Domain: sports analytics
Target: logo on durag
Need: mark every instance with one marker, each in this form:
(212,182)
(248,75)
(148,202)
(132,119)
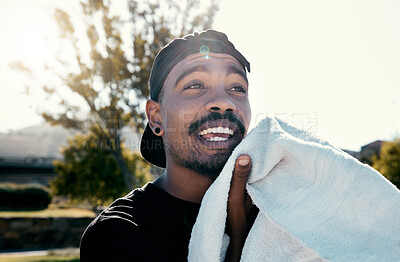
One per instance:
(204,50)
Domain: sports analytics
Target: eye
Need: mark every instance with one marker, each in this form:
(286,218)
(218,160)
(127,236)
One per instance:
(238,89)
(193,85)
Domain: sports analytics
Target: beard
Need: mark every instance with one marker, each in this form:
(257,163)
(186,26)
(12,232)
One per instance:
(210,167)
(183,152)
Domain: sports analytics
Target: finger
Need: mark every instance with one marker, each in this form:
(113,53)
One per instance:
(248,203)
(236,200)
(239,178)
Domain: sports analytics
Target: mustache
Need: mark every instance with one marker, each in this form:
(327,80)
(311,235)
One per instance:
(216,116)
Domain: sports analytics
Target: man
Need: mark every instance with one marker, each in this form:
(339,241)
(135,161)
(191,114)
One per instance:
(198,113)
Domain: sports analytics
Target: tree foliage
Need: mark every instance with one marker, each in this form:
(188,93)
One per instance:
(107,71)
(112,83)
(89,172)
(388,163)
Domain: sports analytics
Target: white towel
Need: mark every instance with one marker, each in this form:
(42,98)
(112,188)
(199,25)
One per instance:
(316,203)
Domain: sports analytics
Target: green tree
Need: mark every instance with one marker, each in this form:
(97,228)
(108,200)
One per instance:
(89,171)
(388,163)
(108,76)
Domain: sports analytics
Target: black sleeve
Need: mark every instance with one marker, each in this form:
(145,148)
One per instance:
(117,240)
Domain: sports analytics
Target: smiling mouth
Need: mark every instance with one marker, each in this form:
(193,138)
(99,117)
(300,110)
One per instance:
(216,134)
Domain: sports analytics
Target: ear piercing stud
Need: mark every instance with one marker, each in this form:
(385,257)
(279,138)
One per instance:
(157,130)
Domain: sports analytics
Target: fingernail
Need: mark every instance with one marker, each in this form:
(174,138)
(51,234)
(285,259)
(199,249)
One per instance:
(244,162)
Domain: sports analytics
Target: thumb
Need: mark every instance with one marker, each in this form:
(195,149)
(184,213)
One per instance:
(239,178)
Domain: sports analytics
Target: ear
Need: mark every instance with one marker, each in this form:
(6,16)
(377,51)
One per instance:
(153,112)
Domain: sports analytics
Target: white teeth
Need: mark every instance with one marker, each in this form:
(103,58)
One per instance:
(217,138)
(216,130)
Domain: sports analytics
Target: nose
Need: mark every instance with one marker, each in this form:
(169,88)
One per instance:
(220,103)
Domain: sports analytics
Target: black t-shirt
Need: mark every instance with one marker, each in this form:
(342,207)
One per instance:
(146,225)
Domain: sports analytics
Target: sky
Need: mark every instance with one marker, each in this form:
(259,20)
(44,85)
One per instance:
(330,67)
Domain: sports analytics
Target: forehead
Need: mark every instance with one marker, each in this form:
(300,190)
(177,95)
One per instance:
(213,60)
(209,57)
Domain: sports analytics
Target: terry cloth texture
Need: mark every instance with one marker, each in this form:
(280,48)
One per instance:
(316,203)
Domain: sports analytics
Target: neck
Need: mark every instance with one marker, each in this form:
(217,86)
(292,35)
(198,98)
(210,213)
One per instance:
(184,183)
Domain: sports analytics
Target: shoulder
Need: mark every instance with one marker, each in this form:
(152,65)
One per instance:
(116,239)
(121,232)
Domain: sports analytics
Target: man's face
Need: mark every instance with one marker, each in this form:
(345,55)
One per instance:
(205,111)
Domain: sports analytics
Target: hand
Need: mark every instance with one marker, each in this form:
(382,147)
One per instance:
(241,212)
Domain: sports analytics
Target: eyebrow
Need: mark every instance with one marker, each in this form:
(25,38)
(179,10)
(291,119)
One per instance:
(197,68)
(202,68)
(235,70)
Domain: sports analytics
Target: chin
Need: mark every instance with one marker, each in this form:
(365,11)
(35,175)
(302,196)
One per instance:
(210,167)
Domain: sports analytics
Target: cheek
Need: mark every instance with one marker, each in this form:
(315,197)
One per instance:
(249,115)
(179,116)
(246,114)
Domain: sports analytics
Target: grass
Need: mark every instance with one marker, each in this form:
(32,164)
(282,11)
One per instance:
(59,208)
(50,212)
(57,255)
(48,258)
